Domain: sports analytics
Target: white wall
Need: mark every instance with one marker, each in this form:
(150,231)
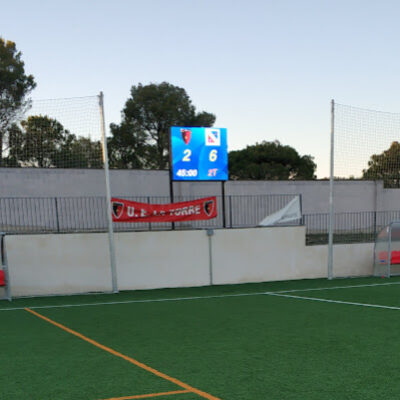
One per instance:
(79,263)
(257,255)
(271,254)
(150,260)
(58,264)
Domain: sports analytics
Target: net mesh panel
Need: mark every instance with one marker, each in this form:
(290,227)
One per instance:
(387,251)
(381,252)
(395,249)
(367,145)
(57,133)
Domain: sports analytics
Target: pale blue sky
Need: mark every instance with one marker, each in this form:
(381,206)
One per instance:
(267,69)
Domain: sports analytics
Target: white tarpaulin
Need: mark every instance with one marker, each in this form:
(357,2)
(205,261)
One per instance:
(289,213)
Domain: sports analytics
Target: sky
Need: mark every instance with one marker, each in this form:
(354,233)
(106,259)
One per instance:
(267,69)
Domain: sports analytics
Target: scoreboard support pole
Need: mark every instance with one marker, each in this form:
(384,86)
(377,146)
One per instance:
(171,195)
(171,181)
(223,204)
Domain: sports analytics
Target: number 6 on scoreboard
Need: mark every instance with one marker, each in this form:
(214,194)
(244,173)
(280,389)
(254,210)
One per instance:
(213,155)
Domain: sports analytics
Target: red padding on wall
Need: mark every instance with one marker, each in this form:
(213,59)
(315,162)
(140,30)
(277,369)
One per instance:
(395,259)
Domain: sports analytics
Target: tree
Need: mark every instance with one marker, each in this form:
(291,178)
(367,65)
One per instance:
(141,140)
(14,145)
(43,137)
(385,166)
(127,147)
(15,86)
(43,142)
(270,161)
(78,152)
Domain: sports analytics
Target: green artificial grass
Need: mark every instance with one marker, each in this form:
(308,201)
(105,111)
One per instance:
(246,347)
(171,293)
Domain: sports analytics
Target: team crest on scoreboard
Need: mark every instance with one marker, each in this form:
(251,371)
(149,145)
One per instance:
(213,137)
(208,207)
(117,209)
(186,135)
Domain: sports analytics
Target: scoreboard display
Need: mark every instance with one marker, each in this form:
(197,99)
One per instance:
(199,154)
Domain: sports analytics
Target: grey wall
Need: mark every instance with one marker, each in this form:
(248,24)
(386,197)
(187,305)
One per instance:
(349,195)
(37,182)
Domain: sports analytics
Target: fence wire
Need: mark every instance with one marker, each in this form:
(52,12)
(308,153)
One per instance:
(57,133)
(89,214)
(367,145)
(350,227)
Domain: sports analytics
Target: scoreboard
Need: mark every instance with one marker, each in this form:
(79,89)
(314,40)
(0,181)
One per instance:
(199,154)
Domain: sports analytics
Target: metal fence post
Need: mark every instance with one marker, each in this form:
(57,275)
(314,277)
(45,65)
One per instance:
(210,233)
(57,218)
(230,210)
(301,209)
(223,204)
(389,256)
(148,201)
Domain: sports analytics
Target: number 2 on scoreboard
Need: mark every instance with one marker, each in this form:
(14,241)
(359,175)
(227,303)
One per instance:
(187,153)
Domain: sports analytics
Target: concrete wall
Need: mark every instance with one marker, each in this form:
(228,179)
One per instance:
(58,264)
(79,263)
(158,259)
(274,254)
(349,195)
(48,182)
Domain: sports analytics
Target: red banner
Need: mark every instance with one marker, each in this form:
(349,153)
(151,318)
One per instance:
(132,211)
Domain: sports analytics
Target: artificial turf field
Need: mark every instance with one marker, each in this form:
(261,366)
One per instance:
(309,339)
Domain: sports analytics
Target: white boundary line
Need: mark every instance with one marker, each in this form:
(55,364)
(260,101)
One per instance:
(334,301)
(337,287)
(276,293)
(137,301)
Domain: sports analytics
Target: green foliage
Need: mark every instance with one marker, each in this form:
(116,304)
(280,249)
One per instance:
(385,166)
(270,161)
(43,137)
(141,140)
(42,142)
(79,152)
(15,86)
(127,147)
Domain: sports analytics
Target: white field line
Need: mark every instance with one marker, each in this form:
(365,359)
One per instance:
(350,303)
(200,297)
(137,301)
(337,287)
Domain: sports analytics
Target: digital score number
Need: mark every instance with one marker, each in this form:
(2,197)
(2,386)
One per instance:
(199,154)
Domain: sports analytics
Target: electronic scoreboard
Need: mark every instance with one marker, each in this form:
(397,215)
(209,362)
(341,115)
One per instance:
(199,154)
